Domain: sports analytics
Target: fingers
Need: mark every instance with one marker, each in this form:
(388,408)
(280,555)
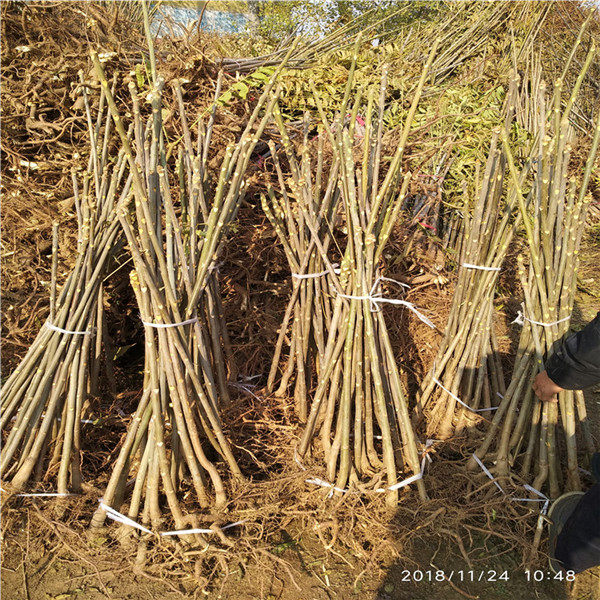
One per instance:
(544,395)
(545,389)
(549,397)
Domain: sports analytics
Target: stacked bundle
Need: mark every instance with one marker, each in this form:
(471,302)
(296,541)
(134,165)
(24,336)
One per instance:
(305,228)
(359,394)
(524,435)
(466,377)
(44,399)
(174,235)
(302,216)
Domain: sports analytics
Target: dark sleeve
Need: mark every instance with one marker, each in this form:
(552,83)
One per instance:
(575,363)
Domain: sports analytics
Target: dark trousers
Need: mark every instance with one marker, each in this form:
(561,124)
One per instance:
(578,544)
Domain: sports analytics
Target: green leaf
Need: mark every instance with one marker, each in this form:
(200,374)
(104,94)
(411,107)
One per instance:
(241,90)
(139,74)
(225,98)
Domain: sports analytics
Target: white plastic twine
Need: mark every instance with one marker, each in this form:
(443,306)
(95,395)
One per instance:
(326,484)
(244,388)
(487,472)
(412,478)
(167,325)
(521,318)
(317,480)
(399,283)
(298,461)
(404,482)
(479,267)
(375,299)
(438,382)
(336,270)
(542,497)
(205,531)
(115,515)
(396,486)
(60,418)
(67,331)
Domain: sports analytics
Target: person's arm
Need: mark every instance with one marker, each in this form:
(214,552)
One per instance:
(574,365)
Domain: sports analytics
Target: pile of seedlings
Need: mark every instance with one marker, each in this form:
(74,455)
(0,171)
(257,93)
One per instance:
(170,203)
(359,409)
(466,379)
(45,135)
(46,398)
(303,218)
(545,443)
(174,233)
(304,213)
(367,26)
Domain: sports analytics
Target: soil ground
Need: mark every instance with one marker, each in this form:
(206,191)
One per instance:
(31,574)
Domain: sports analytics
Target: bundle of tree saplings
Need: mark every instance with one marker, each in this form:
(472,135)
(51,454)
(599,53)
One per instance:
(175,449)
(303,215)
(302,212)
(543,443)
(359,409)
(465,381)
(48,395)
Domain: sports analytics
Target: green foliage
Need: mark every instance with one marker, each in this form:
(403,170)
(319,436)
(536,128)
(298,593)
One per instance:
(457,115)
(240,89)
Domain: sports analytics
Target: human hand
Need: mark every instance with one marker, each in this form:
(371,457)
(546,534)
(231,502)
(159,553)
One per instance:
(545,389)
